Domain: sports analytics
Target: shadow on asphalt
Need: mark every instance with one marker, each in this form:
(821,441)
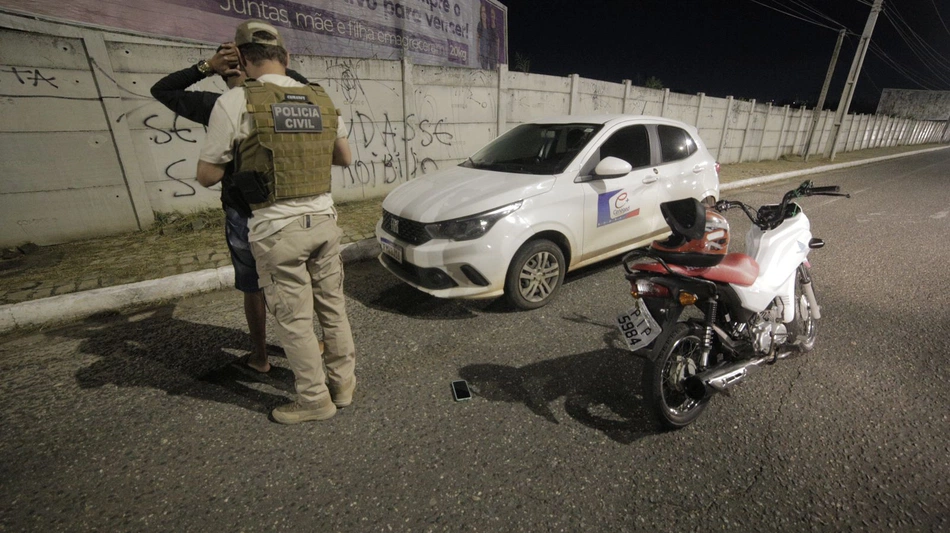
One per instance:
(601,389)
(364,280)
(153,349)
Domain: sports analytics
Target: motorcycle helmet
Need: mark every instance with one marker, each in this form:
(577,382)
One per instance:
(700,236)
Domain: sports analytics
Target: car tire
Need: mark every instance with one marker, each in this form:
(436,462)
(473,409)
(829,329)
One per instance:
(535,274)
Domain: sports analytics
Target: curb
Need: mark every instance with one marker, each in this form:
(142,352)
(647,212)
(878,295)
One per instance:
(825,168)
(74,306)
(79,305)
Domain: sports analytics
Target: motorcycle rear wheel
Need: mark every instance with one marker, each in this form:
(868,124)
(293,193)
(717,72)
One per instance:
(664,378)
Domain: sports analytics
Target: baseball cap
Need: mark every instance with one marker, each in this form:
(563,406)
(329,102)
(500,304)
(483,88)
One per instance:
(245,34)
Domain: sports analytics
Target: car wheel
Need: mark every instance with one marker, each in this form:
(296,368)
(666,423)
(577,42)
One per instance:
(535,274)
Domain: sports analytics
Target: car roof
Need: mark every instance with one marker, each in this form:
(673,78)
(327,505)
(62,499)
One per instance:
(606,119)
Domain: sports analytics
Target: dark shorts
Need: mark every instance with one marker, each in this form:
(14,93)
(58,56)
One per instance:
(245,268)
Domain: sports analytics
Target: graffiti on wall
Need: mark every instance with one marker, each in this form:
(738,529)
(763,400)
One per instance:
(380,145)
(28,76)
(175,134)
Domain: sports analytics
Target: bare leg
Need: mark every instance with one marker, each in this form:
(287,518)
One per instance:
(256,314)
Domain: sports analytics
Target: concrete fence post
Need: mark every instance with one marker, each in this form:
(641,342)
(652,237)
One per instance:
(503,97)
(821,132)
(408,107)
(575,87)
(725,129)
(666,101)
(104,76)
(765,130)
(748,128)
(864,131)
(798,130)
(847,134)
(699,109)
(783,134)
(626,96)
(877,131)
(852,129)
(859,132)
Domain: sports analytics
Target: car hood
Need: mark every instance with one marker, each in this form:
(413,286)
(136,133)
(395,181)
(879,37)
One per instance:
(459,191)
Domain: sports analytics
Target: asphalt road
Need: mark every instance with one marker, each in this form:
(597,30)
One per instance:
(139,422)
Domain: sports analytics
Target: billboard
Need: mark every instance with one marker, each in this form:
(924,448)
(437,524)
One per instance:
(462,33)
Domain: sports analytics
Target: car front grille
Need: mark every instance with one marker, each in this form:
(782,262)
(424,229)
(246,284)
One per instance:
(408,230)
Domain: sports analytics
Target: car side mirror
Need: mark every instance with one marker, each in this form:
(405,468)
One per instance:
(612,167)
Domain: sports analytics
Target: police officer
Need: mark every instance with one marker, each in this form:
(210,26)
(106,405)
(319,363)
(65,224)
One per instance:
(288,135)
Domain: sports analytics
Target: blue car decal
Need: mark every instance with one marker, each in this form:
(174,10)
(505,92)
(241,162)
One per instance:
(614,206)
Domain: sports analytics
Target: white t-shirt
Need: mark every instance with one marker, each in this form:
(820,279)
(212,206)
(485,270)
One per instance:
(229,125)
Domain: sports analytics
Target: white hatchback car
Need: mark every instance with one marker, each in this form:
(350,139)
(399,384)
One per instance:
(545,198)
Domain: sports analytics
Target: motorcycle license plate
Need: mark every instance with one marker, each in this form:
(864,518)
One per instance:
(637,326)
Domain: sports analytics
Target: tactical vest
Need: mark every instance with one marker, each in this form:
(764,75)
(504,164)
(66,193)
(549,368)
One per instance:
(291,140)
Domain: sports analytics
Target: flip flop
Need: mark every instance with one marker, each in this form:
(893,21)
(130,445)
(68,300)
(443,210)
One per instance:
(242,363)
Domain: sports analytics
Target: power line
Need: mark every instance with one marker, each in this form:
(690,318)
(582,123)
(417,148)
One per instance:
(939,17)
(798,16)
(901,69)
(924,52)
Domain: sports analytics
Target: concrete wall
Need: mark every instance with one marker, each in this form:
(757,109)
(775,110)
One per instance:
(88,152)
(919,105)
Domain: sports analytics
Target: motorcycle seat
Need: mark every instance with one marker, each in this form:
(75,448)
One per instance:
(735,268)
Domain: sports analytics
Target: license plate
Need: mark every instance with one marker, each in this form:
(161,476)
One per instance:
(391,249)
(638,326)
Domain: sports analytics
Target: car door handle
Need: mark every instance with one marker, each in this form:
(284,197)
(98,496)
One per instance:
(649,179)
(699,168)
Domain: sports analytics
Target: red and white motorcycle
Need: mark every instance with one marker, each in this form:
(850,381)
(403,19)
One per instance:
(754,308)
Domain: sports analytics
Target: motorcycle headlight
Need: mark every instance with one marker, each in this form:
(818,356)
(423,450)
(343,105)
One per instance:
(468,228)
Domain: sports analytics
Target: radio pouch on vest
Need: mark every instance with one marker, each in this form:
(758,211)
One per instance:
(290,144)
(251,186)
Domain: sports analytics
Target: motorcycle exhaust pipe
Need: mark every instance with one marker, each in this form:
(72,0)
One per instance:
(721,378)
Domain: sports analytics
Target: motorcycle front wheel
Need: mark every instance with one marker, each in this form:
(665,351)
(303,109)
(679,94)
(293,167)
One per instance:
(664,378)
(804,329)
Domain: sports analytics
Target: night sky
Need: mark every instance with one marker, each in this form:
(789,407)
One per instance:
(740,48)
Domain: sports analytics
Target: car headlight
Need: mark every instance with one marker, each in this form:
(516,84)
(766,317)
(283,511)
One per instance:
(473,227)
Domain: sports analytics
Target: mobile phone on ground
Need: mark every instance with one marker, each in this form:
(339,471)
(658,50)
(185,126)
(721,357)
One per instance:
(460,391)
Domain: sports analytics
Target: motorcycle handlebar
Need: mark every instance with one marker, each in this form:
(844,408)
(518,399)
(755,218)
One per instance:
(772,217)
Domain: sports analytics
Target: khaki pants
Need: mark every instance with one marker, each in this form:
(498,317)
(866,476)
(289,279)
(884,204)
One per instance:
(301,271)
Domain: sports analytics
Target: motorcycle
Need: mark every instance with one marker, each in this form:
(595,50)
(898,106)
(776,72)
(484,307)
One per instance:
(753,309)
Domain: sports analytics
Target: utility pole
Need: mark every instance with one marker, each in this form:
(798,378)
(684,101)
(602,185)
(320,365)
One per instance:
(824,93)
(848,93)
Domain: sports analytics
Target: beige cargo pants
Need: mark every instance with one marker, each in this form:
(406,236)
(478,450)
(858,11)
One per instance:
(301,271)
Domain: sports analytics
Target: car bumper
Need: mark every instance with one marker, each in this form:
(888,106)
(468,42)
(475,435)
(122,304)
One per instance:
(448,269)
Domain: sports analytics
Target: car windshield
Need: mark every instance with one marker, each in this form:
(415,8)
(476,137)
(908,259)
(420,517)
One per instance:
(534,148)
